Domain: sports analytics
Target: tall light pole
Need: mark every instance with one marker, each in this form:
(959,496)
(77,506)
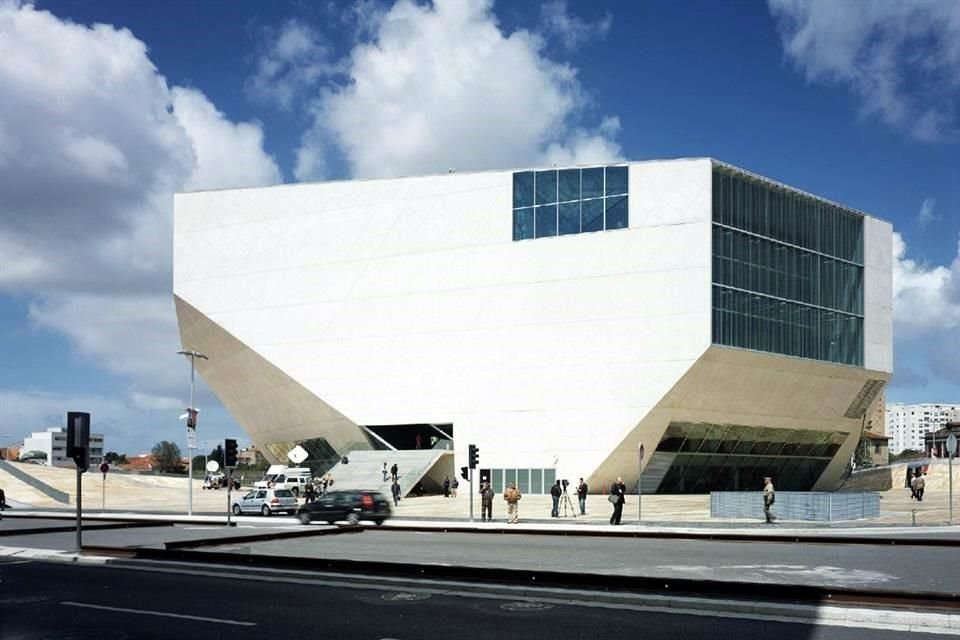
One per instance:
(193,355)
(640,484)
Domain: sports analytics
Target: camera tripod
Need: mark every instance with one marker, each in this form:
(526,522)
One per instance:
(566,503)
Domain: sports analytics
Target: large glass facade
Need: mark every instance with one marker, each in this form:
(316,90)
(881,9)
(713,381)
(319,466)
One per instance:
(721,457)
(564,201)
(787,271)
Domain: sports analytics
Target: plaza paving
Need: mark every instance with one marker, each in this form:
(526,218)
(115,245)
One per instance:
(166,494)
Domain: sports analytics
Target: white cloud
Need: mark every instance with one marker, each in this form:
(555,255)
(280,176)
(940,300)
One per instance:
(926,298)
(229,154)
(901,58)
(99,145)
(571,30)
(293,59)
(927,214)
(443,86)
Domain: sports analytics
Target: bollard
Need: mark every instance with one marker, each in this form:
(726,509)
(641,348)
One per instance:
(914,512)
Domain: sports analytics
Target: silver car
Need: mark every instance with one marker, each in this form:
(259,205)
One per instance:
(266,501)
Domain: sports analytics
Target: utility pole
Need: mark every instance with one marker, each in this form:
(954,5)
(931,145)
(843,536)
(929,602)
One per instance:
(191,426)
(640,486)
(951,448)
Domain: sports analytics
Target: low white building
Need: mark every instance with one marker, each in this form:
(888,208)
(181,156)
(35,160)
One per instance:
(53,442)
(907,423)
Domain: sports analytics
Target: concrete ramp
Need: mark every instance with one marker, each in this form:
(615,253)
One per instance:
(365,470)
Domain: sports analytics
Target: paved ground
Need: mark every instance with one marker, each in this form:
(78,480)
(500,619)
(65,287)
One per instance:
(856,566)
(39,600)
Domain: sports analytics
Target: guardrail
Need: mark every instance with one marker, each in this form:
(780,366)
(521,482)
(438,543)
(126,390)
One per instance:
(810,506)
(39,485)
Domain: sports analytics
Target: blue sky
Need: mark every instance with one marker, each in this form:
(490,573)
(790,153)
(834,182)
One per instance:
(856,102)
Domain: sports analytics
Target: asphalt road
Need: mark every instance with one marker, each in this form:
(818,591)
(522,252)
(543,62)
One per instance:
(48,600)
(855,566)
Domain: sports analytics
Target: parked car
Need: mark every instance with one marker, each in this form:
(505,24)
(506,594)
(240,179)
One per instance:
(266,502)
(352,506)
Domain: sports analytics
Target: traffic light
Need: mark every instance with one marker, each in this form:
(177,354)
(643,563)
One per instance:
(463,473)
(78,438)
(473,456)
(229,453)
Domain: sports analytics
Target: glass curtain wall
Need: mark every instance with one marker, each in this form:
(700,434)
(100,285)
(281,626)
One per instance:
(787,271)
(720,457)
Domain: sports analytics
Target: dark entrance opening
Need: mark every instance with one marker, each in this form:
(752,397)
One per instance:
(415,436)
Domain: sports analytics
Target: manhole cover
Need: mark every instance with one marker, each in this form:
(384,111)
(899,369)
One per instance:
(404,597)
(525,606)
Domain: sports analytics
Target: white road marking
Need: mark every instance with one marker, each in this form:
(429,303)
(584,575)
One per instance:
(164,614)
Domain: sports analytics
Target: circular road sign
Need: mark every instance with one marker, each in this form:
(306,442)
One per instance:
(952,444)
(213,466)
(104,467)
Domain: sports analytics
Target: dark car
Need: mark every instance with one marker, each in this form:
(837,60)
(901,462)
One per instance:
(352,506)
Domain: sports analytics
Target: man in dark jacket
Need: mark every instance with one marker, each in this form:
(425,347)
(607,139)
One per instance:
(395,491)
(582,496)
(486,502)
(555,493)
(446,487)
(617,491)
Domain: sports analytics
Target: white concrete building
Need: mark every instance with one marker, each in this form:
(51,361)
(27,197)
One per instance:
(558,319)
(907,423)
(53,442)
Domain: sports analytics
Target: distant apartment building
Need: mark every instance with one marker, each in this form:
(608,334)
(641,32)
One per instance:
(908,423)
(53,442)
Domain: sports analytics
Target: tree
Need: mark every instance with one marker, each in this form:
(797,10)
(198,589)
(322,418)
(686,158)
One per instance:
(906,454)
(112,457)
(167,457)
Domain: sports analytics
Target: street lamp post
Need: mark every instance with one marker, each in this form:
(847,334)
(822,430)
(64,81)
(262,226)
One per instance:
(640,485)
(193,355)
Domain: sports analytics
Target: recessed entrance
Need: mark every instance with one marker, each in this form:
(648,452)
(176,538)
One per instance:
(415,436)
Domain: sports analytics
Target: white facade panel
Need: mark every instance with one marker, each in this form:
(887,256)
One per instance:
(878,295)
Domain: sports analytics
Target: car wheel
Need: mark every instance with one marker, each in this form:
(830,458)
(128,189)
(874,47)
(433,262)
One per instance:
(265,510)
(236,509)
(304,517)
(353,518)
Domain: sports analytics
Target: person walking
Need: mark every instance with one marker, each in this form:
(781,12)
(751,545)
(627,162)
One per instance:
(3,503)
(555,493)
(395,491)
(617,492)
(512,495)
(393,472)
(454,486)
(921,484)
(384,471)
(913,486)
(446,487)
(769,497)
(486,502)
(582,496)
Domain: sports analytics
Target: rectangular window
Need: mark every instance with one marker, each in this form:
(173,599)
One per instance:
(510,477)
(591,215)
(616,212)
(569,218)
(549,477)
(496,480)
(546,187)
(616,181)
(546,223)
(523,223)
(592,181)
(523,480)
(569,185)
(536,481)
(523,189)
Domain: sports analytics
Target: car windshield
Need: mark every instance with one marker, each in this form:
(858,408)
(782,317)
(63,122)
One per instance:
(283,493)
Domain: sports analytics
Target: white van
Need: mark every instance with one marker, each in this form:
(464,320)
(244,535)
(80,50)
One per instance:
(293,478)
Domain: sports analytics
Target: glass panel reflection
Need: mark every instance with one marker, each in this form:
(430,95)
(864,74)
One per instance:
(523,189)
(712,457)
(546,187)
(592,183)
(569,218)
(569,185)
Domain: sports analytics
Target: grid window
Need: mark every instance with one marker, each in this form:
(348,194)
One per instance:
(592,199)
(787,272)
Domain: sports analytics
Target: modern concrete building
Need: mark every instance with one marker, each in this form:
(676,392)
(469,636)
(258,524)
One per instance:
(53,442)
(908,423)
(733,326)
